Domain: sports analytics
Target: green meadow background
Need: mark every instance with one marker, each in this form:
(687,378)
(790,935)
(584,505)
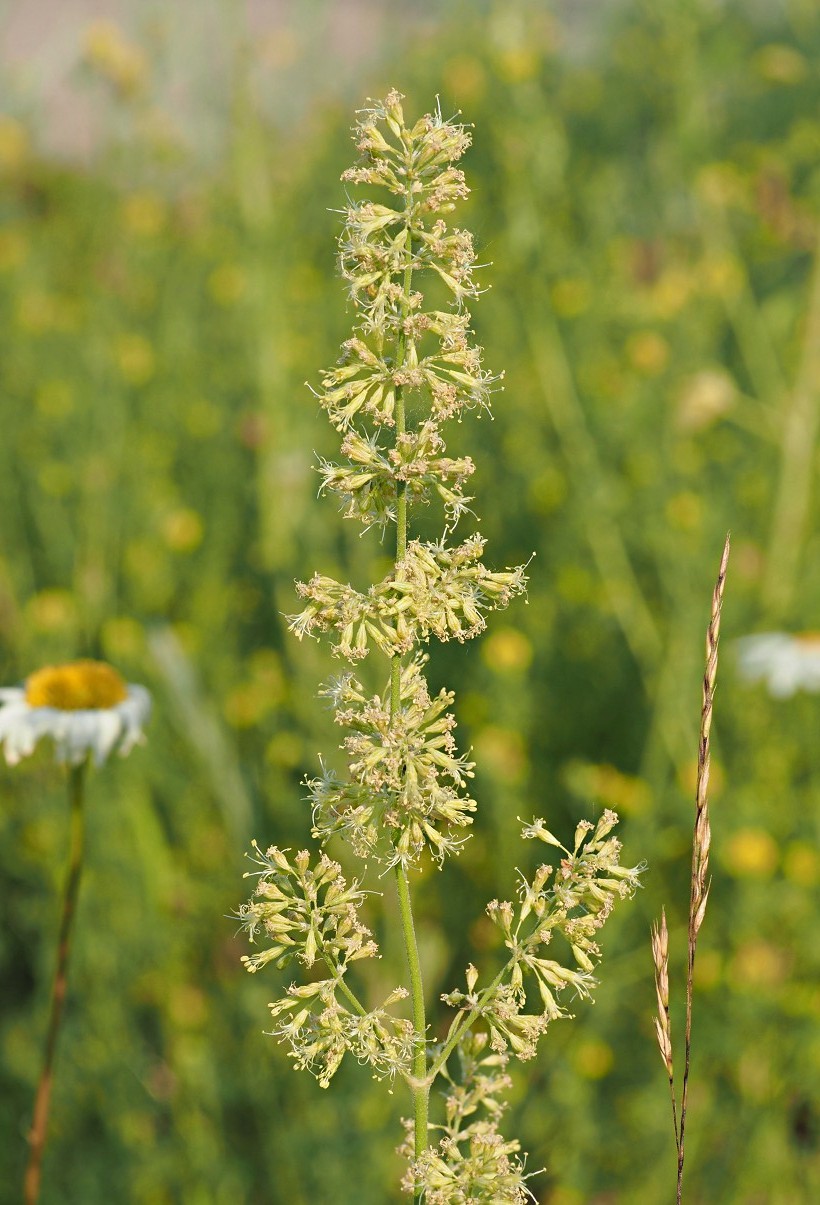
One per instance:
(646,197)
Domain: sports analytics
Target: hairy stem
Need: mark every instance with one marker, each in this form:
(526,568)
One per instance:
(419,1086)
(39,1127)
(350,996)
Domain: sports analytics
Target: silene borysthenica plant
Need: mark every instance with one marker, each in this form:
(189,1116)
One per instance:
(407,371)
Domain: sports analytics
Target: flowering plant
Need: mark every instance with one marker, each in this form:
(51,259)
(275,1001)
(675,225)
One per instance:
(87,711)
(407,370)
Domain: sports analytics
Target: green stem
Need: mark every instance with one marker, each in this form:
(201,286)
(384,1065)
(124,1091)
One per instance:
(419,1084)
(465,1025)
(350,996)
(39,1127)
(401,486)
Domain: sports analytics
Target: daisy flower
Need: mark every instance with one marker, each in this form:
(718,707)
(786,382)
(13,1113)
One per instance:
(785,662)
(84,706)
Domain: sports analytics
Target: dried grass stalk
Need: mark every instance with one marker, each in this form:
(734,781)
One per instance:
(699,889)
(663,1026)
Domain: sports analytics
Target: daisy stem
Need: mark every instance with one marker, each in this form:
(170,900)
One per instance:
(39,1127)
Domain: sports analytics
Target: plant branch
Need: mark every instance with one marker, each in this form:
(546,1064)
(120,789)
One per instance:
(465,1025)
(349,995)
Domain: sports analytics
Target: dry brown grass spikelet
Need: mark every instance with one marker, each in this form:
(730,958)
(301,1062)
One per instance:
(699,887)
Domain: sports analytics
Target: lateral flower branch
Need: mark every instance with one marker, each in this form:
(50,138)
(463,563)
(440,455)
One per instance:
(406,372)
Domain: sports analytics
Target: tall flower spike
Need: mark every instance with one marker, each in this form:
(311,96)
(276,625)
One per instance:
(408,368)
(404,359)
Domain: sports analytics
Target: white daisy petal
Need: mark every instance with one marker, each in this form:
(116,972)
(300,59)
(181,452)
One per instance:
(22,735)
(10,716)
(107,729)
(134,713)
(80,733)
(18,739)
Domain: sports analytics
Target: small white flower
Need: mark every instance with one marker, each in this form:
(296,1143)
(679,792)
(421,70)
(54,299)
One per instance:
(84,706)
(786,663)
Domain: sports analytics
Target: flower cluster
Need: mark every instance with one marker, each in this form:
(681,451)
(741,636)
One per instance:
(405,360)
(472,1161)
(406,371)
(451,379)
(309,915)
(306,913)
(320,1030)
(405,776)
(368,484)
(433,590)
(573,901)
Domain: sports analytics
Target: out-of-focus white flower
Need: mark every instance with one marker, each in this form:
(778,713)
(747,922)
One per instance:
(786,663)
(705,397)
(84,706)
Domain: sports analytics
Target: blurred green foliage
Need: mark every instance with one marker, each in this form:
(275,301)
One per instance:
(646,190)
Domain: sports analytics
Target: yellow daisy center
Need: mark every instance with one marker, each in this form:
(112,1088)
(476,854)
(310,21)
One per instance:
(78,686)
